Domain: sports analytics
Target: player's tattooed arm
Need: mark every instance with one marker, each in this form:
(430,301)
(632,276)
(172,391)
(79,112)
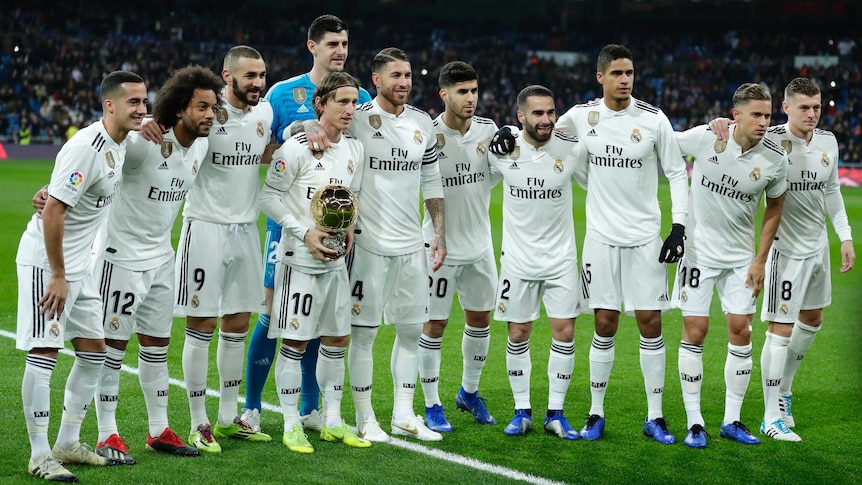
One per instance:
(438,244)
(317,140)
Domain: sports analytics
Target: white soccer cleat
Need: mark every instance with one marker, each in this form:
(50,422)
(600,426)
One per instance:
(784,402)
(312,421)
(252,417)
(414,427)
(370,430)
(81,453)
(778,430)
(47,468)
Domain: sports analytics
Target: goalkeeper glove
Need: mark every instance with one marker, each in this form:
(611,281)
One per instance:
(503,142)
(674,246)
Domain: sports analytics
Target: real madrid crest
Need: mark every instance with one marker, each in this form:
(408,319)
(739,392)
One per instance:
(355,311)
(481,149)
(783,309)
(683,296)
(755,174)
(221,115)
(109,158)
(719,146)
(115,324)
(501,307)
(294,323)
(824,160)
(299,95)
(54,331)
(195,168)
(441,141)
(636,136)
(516,153)
(317,154)
(195,301)
(260,129)
(787,145)
(593,118)
(374,121)
(167,148)
(350,167)
(417,137)
(558,166)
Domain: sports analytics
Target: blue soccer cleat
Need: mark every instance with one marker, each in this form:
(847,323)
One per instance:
(436,420)
(520,425)
(557,424)
(738,432)
(657,430)
(594,428)
(471,402)
(696,437)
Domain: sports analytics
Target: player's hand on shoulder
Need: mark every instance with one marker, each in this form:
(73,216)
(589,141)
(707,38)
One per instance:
(317,140)
(152,131)
(503,142)
(674,245)
(721,128)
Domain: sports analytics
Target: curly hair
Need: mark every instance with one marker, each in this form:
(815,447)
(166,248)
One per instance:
(178,91)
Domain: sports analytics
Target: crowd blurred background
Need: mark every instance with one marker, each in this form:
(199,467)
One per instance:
(689,54)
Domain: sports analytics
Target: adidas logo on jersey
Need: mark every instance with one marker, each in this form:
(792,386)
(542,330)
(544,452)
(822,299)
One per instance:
(377,136)
(441,156)
(302,109)
(319,166)
(221,131)
(513,166)
(592,133)
(713,159)
(164,165)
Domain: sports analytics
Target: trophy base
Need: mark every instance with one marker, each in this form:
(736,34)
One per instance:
(337,243)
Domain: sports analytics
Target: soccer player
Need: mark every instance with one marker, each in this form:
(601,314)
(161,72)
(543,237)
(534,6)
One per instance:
(538,261)
(627,139)
(728,181)
(313,291)
(134,269)
(470,268)
(218,259)
(798,280)
(56,299)
(291,100)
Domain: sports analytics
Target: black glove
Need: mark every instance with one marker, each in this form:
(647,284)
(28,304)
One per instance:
(674,246)
(503,142)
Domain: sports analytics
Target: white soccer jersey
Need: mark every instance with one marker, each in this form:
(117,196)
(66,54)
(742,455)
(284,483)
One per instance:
(467,185)
(228,184)
(400,157)
(726,188)
(813,192)
(86,176)
(293,177)
(538,228)
(625,148)
(156,179)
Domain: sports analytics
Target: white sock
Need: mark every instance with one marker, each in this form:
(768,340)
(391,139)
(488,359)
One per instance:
(153,376)
(330,379)
(80,387)
(772,366)
(653,361)
(404,365)
(474,351)
(36,397)
(429,371)
(288,381)
(601,363)
(561,363)
(107,394)
(519,367)
(691,380)
(230,357)
(737,375)
(195,360)
(360,364)
(800,341)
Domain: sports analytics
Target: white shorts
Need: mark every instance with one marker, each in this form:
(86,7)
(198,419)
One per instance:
(390,286)
(692,290)
(306,306)
(475,283)
(624,276)
(795,284)
(218,270)
(80,317)
(135,301)
(518,300)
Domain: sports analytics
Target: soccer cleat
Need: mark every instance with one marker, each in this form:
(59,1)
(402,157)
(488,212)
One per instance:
(81,453)
(168,442)
(520,425)
(436,419)
(116,450)
(738,432)
(47,468)
(343,434)
(312,421)
(594,427)
(476,405)
(696,437)
(778,430)
(203,439)
(557,424)
(370,430)
(252,417)
(240,430)
(657,430)
(414,427)
(784,402)
(296,440)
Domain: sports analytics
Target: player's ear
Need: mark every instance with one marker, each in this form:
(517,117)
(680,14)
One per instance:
(312,46)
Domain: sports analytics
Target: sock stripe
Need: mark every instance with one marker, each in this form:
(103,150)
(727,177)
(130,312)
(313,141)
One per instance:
(95,358)
(46,363)
(113,363)
(153,358)
(332,354)
(517,348)
(741,354)
(290,353)
(603,344)
(199,335)
(652,344)
(563,348)
(477,333)
(427,344)
(693,348)
(232,337)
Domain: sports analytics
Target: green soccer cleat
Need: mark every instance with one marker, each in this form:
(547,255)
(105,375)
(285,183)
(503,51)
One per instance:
(343,434)
(296,440)
(203,440)
(240,430)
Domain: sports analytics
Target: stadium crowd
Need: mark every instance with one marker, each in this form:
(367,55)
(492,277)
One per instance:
(49,83)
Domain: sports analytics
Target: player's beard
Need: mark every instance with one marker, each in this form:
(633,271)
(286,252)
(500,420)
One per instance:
(195,129)
(389,95)
(534,133)
(243,95)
